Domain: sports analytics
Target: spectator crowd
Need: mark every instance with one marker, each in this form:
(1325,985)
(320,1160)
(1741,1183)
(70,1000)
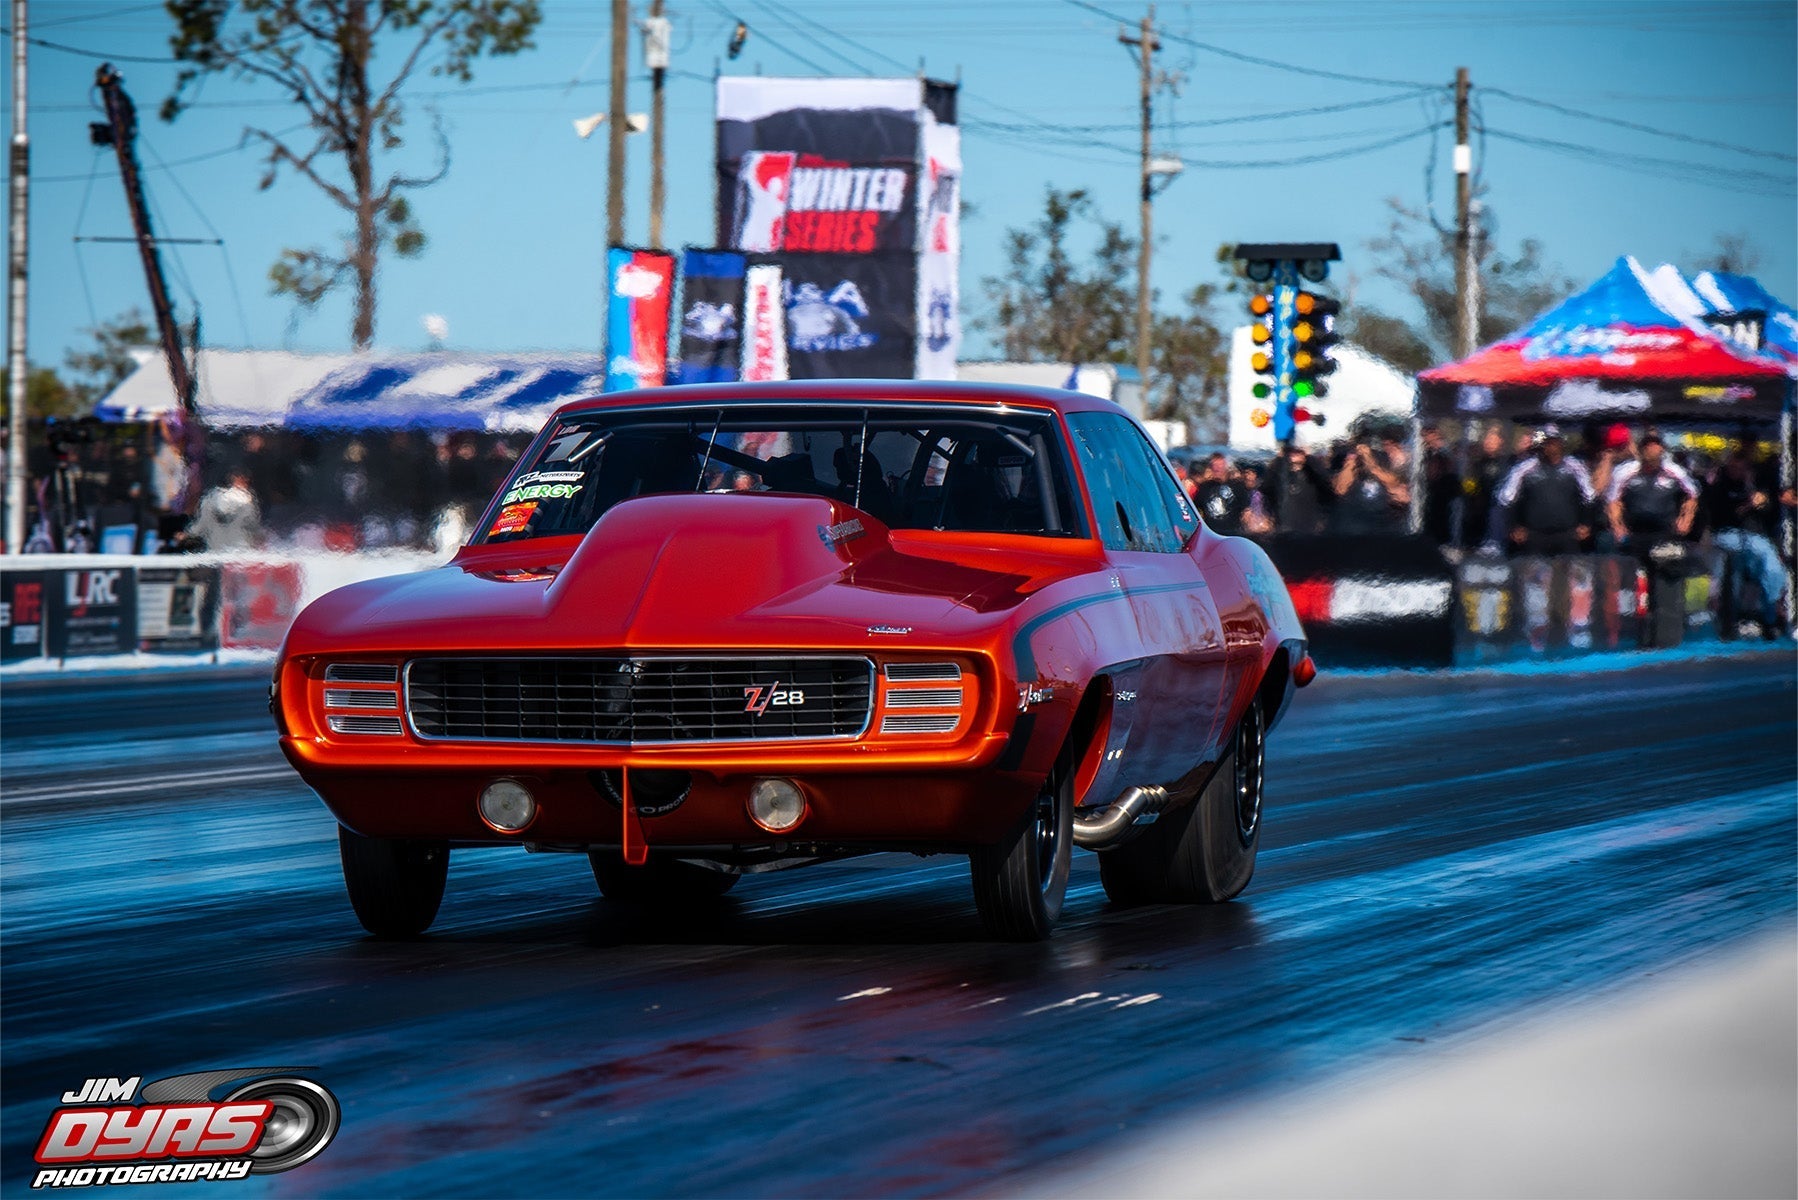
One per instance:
(1538,492)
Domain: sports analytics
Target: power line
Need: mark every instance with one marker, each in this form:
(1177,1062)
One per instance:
(49,45)
(179,162)
(99,16)
(1306,159)
(1239,56)
(1761,182)
(1564,110)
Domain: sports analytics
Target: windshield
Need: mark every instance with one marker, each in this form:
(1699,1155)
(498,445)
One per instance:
(960,468)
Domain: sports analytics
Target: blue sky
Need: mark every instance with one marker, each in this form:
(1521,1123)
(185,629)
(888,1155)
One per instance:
(517,227)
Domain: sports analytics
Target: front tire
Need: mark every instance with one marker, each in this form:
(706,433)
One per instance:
(1020,883)
(659,881)
(1203,852)
(395,884)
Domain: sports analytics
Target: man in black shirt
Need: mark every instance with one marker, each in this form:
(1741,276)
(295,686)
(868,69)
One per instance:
(1547,498)
(1222,498)
(1651,504)
(1370,495)
(1743,516)
(1298,493)
(1484,474)
(1441,486)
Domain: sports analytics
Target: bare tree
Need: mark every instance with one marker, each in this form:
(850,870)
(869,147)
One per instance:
(1730,253)
(320,53)
(1048,306)
(1514,289)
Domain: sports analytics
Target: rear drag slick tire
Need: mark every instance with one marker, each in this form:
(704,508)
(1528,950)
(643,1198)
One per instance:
(1202,852)
(395,884)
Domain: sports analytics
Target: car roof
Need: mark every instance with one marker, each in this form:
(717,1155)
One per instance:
(845,391)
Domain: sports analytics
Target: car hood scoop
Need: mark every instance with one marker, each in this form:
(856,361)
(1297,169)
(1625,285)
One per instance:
(717,571)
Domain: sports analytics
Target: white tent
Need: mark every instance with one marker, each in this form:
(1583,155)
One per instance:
(434,390)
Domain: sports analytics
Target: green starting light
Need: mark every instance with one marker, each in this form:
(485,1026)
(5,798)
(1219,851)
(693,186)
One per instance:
(1303,388)
(1262,391)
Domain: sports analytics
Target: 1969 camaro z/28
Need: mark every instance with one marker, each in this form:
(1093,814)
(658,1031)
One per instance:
(715,630)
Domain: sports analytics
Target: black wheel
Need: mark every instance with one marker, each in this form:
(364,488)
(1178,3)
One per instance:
(1202,852)
(658,881)
(395,885)
(1019,884)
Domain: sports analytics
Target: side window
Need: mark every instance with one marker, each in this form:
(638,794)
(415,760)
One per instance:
(1180,511)
(1130,510)
(1101,480)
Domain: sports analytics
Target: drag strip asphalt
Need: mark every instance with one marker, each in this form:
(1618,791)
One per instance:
(1442,854)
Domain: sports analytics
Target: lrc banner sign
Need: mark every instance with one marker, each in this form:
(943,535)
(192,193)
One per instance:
(93,612)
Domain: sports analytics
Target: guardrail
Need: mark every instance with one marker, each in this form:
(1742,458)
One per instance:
(1365,602)
(66,606)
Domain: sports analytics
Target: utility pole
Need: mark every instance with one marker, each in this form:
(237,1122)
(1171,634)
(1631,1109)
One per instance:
(655,57)
(18,368)
(1467,320)
(1146,44)
(615,124)
(120,132)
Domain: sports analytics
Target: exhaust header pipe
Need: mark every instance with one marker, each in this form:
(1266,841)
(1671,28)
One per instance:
(1107,826)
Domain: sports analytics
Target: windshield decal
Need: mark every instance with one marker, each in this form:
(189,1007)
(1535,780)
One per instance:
(541,491)
(512,519)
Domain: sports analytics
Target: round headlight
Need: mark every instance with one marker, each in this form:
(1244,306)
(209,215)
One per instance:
(507,805)
(776,804)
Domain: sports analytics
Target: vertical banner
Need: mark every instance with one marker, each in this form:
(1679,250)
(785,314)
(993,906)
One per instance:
(639,292)
(711,326)
(850,316)
(939,249)
(764,325)
(22,621)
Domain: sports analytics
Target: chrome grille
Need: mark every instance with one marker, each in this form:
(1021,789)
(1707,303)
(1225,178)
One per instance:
(360,698)
(924,698)
(388,726)
(908,672)
(362,673)
(638,700)
(895,723)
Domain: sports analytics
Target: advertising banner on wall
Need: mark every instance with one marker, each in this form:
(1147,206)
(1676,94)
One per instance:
(850,316)
(764,325)
(92,612)
(939,249)
(711,324)
(639,292)
(22,622)
(817,166)
(257,602)
(177,609)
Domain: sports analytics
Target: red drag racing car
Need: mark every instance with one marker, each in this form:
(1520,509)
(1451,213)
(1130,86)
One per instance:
(726,629)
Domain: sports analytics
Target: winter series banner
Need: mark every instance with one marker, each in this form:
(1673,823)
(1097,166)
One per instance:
(640,290)
(711,326)
(849,316)
(817,166)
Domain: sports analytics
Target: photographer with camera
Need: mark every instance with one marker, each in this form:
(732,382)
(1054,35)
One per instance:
(1650,505)
(1371,492)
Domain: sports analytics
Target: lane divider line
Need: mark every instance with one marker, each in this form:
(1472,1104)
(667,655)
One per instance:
(155,783)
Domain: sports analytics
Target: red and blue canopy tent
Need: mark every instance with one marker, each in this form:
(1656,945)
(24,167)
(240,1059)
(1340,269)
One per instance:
(1613,351)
